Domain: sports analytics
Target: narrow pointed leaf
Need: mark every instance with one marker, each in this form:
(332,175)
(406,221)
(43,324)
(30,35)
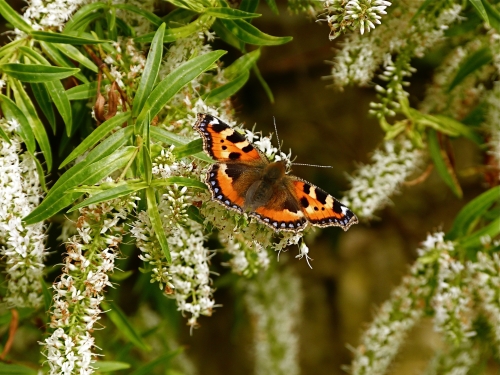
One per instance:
(13,17)
(194,5)
(472,211)
(273,6)
(154,216)
(230,13)
(96,136)
(4,136)
(125,328)
(41,173)
(50,37)
(150,366)
(85,91)
(11,369)
(89,174)
(241,64)
(43,99)
(227,36)
(470,65)
(110,366)
(174,82)
(151,17)
(37,72)
(248,33)
(26,106)
(74,54)
(116,192)
(478,5)
(263,83)
(443,165)
(474,240)
(169,138)
(151,70)
(249,5)
(173,34)
(54,55)
(229,89)
(12,112)
(181,181)
(84,16)
(493,15)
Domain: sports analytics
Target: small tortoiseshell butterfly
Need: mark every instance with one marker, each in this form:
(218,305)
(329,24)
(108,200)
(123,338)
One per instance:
(244,180)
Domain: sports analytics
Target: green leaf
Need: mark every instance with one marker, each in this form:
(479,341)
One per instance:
(241,64)
(55,90)
(171,35)
(12,112)
(106,195)
(455,126)
(151,70)
(470,65)
(37,72)
(443,165)
(194,214)
(41,173)
(474,240)
(50,37)
(225,91)
(173,83)
(155,218)
(147,166)
(110,366)
(273,6)
(149,367)
(227,36)
(197,6)
(45,103)
(181,181)
(74,54)
(478,5)
(55,56)
(230,13)
(169,138)
(26,106)
(96,136)
(178,16)
(4,136)
(493,15)
(263,83)
(84,16)
(191,148)
(151,17)
(126,329)
(82,173)
(472,212)
(85,91)
(249,5)
(47,296)
(10,369)
(12,17)
(248,33)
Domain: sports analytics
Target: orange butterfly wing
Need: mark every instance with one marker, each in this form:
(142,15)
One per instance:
(223,143)
(320,208)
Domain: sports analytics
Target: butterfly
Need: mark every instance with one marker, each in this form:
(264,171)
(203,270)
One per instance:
(244,180)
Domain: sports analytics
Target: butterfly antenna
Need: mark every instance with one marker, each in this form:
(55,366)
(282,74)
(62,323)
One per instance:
(314,165)
(277,138)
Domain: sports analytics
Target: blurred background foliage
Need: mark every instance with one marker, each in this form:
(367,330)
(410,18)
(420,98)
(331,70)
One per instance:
(352,272)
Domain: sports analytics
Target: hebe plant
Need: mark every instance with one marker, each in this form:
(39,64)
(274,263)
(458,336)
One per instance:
(121,87)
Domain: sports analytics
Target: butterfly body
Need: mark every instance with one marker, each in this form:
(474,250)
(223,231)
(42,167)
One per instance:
(244,180)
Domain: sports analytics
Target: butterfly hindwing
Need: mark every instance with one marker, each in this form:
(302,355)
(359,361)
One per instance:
(283,212)
(224,143)
(320,208)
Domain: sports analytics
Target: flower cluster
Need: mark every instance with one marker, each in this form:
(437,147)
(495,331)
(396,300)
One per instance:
(23,246)
(381,341)
(354,15)
(78,293)
(373,184)
(48,15)
(274,301)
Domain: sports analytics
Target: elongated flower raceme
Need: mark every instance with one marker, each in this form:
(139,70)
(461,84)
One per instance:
(381,341)
(373,184)
(22,246)
(79,291)
(274,302)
